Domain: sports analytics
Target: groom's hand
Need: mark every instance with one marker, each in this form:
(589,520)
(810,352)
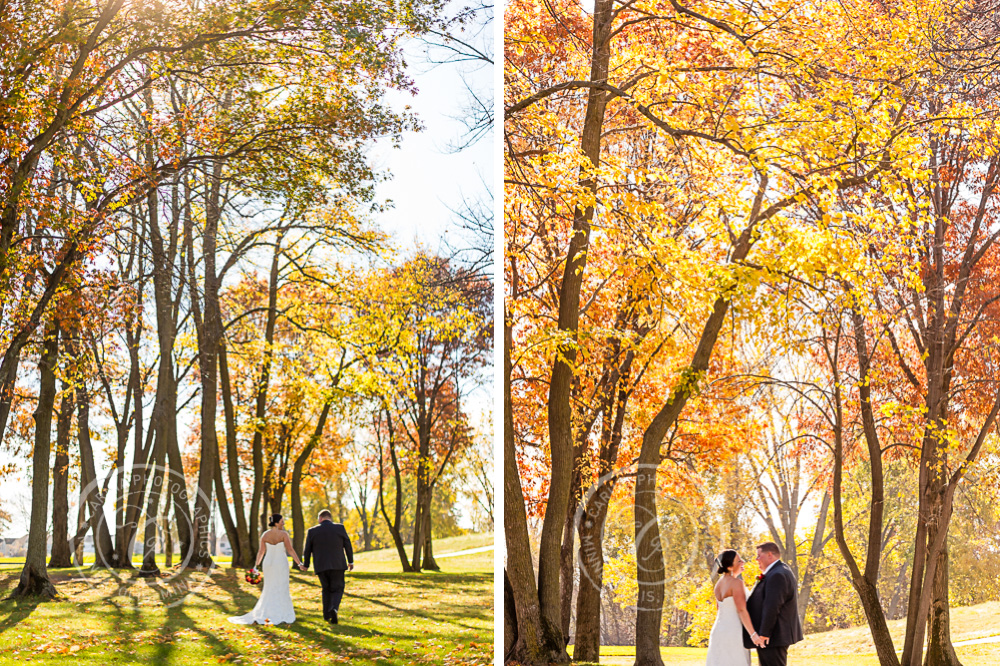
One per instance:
(350,567)
(763,641)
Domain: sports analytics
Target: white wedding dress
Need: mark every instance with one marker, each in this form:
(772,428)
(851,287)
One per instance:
(725,643)
(275,603)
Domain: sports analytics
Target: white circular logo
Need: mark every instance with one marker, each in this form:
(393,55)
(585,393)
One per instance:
(168,588)
(651,570)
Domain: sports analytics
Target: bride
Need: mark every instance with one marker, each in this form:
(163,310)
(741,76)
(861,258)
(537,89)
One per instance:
(725,643)
(275,603)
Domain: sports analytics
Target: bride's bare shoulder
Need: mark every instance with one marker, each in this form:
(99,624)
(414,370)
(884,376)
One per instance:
(723,589)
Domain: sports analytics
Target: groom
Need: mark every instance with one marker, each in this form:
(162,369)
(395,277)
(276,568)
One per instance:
(329,541)
(773,608)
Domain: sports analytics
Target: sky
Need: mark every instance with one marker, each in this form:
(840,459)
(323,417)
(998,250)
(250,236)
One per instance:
(428,181)
(428,178)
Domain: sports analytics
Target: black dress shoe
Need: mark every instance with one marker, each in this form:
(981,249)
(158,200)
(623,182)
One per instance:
(333,620)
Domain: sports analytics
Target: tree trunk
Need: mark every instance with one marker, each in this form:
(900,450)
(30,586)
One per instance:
(864,583)
(649,554)
(242,545)
(424,467)
(34,581)
(587,642)
(103,546)
(122,558)
(260,409)
(275,500)
(560,413)
(916,619)
(884,647)
(898,592)
(209,336)
(539,641)
(60,482)
(162,257)
(815,553)
(140,454)
(509,618)
(367,522)
(397,517)
(940,651)
(298,519)
(227,520)
(76,542)
(168,542)
(178,487)
(429,561)
(567,582)
(157,479)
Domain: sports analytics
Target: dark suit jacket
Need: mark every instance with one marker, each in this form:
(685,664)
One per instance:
(328,542)
(773,607)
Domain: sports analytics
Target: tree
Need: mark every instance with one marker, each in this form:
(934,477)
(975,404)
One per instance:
(151,136)
(443,341)
(724,219)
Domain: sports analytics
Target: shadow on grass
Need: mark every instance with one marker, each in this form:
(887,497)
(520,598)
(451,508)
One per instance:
(177,618)
(318,632)
(423,614)
(308,626)
(128,617)
(244,601)
(17,610)
(131,617)
(229,580)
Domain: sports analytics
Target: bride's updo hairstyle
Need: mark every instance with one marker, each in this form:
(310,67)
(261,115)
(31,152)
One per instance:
(725,560)
(275,519)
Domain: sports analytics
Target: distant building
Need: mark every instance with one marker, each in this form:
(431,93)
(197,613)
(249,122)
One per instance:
(14,546)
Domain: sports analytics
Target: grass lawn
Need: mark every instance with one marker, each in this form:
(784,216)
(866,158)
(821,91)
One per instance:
(852,647)
(387,617)
(973,655)
(18,562)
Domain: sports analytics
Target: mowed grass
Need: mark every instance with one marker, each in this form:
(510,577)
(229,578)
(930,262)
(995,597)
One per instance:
(441,547)
(972,655)
(18,562)
(852,647)
(967,623)
(387,617)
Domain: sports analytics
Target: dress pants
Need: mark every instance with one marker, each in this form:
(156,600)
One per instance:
(332,581)
(770,656)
